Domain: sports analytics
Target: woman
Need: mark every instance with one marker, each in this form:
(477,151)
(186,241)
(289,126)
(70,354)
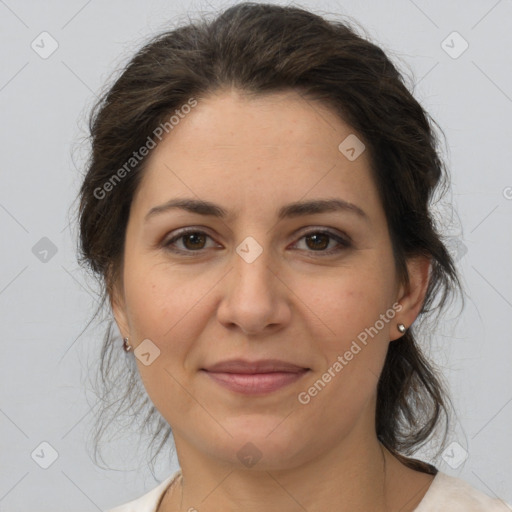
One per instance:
(257,207)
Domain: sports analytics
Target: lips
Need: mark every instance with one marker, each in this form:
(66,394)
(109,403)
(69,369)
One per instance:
(254,377)
(261,366)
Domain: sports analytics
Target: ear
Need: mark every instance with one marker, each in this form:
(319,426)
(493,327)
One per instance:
(411,298)
(118,306)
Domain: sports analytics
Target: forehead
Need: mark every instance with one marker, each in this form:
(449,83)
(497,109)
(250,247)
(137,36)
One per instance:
(274,148)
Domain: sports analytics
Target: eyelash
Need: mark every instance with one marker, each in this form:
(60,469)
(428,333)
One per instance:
(343,243)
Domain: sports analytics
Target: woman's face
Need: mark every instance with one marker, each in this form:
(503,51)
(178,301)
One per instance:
(305,288)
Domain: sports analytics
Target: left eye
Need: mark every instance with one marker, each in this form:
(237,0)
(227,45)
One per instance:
(321,239)
(316,241)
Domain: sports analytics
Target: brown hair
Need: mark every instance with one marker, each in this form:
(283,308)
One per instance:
(258,49)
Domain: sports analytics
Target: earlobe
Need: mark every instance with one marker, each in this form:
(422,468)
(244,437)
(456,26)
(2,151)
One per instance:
(411,298)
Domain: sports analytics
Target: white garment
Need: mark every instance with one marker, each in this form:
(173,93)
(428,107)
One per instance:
(445,494)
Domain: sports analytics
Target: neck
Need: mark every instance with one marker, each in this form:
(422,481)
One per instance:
(344,479)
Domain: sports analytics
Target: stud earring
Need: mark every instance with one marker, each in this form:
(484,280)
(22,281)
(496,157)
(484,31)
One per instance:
(126,346)
(401,328)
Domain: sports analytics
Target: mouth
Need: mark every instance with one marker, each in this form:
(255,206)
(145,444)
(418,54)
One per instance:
(257,377)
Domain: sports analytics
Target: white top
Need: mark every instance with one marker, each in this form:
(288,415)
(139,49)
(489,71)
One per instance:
(445,494)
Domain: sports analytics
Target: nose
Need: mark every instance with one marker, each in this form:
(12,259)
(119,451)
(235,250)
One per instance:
(255,299)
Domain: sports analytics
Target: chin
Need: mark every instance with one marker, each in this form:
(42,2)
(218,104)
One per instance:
(262,443)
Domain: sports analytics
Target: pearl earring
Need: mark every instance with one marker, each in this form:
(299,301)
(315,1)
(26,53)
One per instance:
(401,328)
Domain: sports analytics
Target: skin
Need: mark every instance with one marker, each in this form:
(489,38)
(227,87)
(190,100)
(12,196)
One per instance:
(251,156)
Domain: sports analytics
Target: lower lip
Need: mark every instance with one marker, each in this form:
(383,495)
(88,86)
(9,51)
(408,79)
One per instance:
(255,383)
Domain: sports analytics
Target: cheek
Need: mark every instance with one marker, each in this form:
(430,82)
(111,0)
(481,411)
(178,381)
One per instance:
(353,345)
(349,302)
(163,306)
(354,340)
(159,299)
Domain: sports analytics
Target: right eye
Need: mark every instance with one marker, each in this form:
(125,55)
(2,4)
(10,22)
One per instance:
(193,241)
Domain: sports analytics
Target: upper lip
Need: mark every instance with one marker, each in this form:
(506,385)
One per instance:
(261,366)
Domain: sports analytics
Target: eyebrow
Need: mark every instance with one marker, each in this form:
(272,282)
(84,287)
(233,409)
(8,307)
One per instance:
(291,210)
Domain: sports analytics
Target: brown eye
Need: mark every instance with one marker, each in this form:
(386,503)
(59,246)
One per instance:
(191,241)
(319,241)
(194,240)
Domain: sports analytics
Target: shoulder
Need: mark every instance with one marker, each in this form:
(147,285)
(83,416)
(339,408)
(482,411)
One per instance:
(454,494)
(149,501)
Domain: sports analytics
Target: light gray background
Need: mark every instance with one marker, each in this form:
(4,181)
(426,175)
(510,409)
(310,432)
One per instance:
(46,306)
